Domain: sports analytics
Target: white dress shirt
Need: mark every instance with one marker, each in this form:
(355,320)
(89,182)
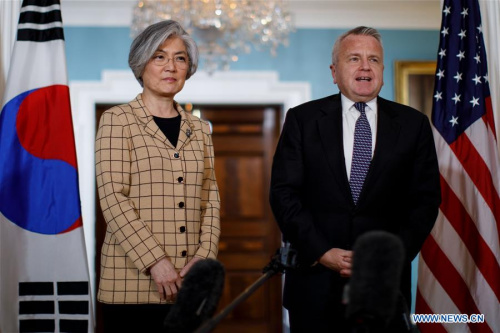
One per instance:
(349,116)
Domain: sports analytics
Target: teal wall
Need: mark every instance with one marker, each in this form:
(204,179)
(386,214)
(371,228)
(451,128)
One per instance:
(90,50)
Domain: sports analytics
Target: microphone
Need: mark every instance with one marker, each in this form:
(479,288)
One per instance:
(373,290)
(197,298)
(285,257)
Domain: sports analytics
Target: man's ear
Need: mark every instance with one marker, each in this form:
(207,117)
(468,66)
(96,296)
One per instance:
(332,68)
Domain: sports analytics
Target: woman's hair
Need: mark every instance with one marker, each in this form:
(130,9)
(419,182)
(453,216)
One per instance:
(359,31)
(147,42)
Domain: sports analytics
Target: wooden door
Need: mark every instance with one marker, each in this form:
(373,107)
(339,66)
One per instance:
(244,139)
(244,142)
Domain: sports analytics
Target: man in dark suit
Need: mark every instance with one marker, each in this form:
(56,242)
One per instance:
(324,196)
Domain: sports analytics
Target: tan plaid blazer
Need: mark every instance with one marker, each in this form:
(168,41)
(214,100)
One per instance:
(158,200)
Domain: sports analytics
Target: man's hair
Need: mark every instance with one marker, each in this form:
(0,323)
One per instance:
(358,31)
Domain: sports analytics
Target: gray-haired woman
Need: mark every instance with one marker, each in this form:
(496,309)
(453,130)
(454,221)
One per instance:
(157,187)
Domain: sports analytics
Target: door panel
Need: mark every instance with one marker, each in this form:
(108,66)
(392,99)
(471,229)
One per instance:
(244,141)
(238,187)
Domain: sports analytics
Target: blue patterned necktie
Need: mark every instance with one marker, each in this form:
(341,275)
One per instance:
(362,152)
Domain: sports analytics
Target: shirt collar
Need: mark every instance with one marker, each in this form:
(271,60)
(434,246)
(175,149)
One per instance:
(347,104)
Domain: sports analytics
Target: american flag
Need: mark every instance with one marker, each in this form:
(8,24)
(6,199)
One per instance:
(459,270)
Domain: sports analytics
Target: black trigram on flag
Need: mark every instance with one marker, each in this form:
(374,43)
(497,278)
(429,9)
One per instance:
(40,303)
(40,21)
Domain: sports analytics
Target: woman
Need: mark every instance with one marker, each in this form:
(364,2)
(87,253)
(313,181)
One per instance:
(157,187)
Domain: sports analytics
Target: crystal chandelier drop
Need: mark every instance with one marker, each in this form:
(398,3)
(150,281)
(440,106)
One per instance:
(223,29)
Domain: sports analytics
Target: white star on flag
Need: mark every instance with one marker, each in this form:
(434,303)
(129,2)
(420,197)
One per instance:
(477,79)
(454,121)
(474,101)
(440,74)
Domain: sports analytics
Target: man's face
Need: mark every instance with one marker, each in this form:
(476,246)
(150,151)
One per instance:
(359,68)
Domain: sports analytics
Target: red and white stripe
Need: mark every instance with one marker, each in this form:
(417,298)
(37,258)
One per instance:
(459,269)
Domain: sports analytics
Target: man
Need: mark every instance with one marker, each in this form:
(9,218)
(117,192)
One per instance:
(330,185)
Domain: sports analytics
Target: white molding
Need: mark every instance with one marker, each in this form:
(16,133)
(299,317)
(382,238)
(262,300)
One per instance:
(231,87)
(334,14)
(380,14)
(243,87)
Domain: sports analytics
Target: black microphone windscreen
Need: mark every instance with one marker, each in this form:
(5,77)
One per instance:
(197,298)
(377,264)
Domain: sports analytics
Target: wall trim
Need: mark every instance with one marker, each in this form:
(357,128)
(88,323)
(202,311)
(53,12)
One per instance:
(307,14)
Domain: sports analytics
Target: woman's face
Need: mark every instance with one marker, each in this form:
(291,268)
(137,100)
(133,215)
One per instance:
(166,80)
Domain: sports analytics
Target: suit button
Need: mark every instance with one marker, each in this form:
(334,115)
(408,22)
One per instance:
(182,229)
(180,179)
(184,253)
(181,204)
(176,155)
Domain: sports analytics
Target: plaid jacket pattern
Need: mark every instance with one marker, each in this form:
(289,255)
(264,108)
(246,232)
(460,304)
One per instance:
(158,200)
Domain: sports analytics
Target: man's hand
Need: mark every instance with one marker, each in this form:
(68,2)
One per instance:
(338,260)
(166,278)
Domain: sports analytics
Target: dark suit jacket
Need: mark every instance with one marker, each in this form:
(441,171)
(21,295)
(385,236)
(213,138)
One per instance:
(311,199)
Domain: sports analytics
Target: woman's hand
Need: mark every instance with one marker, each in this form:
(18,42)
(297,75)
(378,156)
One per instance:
(166,278)
(188,266)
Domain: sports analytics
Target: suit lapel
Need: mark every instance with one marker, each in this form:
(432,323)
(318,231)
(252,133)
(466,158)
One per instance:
(388,131)
(330,131)
(152,128)
(187,129)
(147,120)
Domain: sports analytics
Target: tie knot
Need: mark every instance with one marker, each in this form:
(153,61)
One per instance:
(360,106)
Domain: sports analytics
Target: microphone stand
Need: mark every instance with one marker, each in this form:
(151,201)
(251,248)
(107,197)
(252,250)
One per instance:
(284,258)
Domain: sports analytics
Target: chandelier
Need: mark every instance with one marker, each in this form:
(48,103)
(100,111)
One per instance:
(223,29)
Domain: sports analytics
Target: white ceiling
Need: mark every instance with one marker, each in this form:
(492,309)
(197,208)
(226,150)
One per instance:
(381,14)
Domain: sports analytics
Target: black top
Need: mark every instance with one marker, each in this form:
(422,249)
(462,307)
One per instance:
(170,127)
